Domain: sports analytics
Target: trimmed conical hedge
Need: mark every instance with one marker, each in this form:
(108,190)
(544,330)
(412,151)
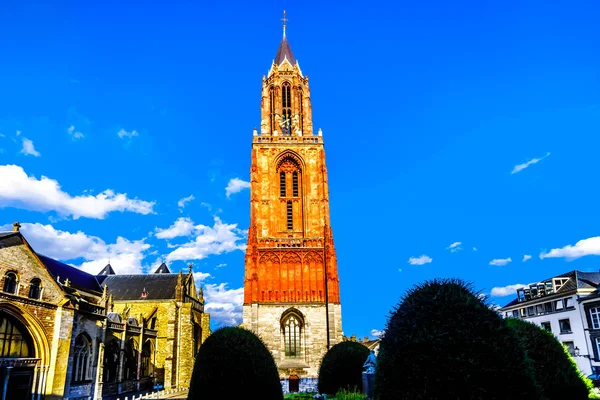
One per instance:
(233,363)
(341,367)
(443,341)
(555,370)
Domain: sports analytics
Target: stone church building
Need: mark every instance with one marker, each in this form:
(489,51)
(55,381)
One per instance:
(291,286)
(66,334)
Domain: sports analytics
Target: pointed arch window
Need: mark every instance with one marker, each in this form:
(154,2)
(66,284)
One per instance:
(35,289)
(82,359)
(290,216)
(282,191)
(15,341)
(111,361)
(10,283)
(131,360)
(286,108)
(292,325)
(146,367)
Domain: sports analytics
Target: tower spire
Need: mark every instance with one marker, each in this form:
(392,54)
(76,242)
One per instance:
(284,20)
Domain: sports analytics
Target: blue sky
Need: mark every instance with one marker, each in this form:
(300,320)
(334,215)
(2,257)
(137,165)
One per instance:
(112,113)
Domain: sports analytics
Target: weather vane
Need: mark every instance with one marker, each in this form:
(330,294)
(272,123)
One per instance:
(284,20)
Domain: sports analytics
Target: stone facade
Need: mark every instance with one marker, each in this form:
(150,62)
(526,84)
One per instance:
(291,279)
(81,336)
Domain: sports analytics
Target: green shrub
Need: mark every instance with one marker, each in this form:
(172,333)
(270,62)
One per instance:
(344,394)
(555,370)
(232,363)
(341,367)
(442,341)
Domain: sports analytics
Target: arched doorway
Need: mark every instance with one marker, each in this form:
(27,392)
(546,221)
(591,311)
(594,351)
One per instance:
(17,359)
(294,384)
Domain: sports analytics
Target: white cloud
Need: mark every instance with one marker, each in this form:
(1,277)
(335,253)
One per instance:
(218,239)
(74,134)
(124,134)
(454,247)
(376,333)
(199,277)
(181,227)
(585,247)
(526,257)
(221,265)
(181,202)
(236,185)
(28,148)
(500,261)
(423,259)
(507,290)
(474,248)
(125,255)
(44,194)
(224,305)
(521,167)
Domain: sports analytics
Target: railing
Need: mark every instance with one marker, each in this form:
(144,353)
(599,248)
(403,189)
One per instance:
(150,332)
(116,326)
(286,139)
(136,330)
(196,305)
(290,242)
(92,309)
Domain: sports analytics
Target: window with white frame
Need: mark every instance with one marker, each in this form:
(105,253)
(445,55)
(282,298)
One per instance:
(595,316)
(598,345)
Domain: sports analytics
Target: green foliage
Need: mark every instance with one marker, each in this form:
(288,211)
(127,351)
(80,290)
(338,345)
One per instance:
(341,367)
(442,341)
(232,363)
(344,394)
(555,370)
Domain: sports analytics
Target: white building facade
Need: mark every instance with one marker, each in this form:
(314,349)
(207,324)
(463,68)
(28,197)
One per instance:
(555,304)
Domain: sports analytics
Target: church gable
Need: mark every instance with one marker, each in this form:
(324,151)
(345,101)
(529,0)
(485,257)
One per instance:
(23,273)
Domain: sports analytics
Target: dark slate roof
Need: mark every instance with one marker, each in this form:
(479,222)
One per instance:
(585,280)
(108,270)
(284,51)
(162,269)
(130,287)
(77,278)
(7,234)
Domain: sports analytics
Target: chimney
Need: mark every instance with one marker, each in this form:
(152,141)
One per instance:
(16,226)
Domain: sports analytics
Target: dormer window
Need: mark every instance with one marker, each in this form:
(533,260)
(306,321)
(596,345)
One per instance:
(559,283)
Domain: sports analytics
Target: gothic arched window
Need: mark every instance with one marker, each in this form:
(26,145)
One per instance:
(131,360)
(146,367)
(10,283)
(35,289)
(286,108)
(292,325)
(82,359)
(111,361)
(272,108)
(15,341)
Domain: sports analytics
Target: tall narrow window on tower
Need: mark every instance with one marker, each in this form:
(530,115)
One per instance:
(290,217)
(295,184)
(300,108)
(272,109)
(282,184)
(286,107)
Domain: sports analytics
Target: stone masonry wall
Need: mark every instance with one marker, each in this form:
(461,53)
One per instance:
(266,318)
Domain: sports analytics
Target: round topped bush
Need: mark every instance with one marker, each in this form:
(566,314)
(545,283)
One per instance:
(234,363)
(555,370)
(443,341)
(341,368)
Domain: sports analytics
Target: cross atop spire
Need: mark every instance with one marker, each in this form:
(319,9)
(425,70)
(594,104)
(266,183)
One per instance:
(284,20)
